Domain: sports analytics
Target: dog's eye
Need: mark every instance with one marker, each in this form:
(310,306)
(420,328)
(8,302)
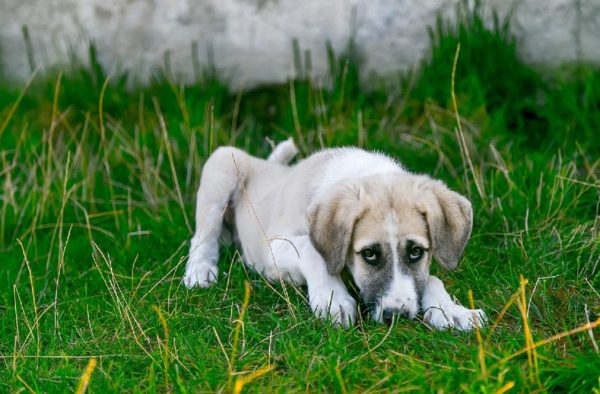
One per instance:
(370,256)
(415,253)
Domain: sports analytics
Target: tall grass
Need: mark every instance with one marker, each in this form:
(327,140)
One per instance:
(97,186)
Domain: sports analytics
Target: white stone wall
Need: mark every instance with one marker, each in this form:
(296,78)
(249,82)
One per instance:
(250,41)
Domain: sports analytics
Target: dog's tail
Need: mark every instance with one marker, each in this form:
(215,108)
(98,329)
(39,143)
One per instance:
(284,152)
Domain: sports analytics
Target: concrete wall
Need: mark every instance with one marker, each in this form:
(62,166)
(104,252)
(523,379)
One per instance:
(250,41)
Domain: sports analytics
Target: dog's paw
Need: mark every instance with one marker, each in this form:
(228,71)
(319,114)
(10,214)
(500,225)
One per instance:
(454,316)
(200,274)
(339,308)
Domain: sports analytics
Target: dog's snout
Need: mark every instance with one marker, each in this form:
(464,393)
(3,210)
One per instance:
(389,313)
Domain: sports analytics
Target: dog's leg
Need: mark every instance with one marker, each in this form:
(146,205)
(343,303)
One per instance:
(221,177)
(284,152)
(441,312)
(327,294)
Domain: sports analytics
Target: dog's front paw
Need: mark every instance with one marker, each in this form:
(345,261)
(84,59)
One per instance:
(454,316)
(200,274)
(337,307)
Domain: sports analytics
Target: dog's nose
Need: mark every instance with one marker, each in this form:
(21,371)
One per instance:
(388,314)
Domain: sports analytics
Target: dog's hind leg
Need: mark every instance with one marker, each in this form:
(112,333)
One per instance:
(221,178)
(284,152)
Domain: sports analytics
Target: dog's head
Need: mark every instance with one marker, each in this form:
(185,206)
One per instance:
(385,229)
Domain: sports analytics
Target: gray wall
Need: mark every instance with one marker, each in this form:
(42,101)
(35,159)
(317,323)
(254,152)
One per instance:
(250,41)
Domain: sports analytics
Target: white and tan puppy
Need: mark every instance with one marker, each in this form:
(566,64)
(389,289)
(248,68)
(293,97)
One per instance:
(339,208)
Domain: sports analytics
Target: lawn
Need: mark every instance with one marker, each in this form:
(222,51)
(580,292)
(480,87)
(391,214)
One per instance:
(97,188)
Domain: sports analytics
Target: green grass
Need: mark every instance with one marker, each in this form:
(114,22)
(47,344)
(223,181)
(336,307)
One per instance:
(96,203)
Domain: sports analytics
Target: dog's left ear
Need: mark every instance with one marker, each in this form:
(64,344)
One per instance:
(331,219)
(450,219)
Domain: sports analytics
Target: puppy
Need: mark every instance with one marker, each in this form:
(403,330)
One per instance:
(339,208)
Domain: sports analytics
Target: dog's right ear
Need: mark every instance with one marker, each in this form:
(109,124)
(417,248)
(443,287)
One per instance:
(331,220)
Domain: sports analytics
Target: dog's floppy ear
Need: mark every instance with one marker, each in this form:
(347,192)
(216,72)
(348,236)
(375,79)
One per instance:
(450,219)
(331,218)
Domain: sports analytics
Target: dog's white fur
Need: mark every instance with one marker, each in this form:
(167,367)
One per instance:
(280,211)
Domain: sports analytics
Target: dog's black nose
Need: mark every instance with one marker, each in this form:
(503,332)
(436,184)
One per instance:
(388,314)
